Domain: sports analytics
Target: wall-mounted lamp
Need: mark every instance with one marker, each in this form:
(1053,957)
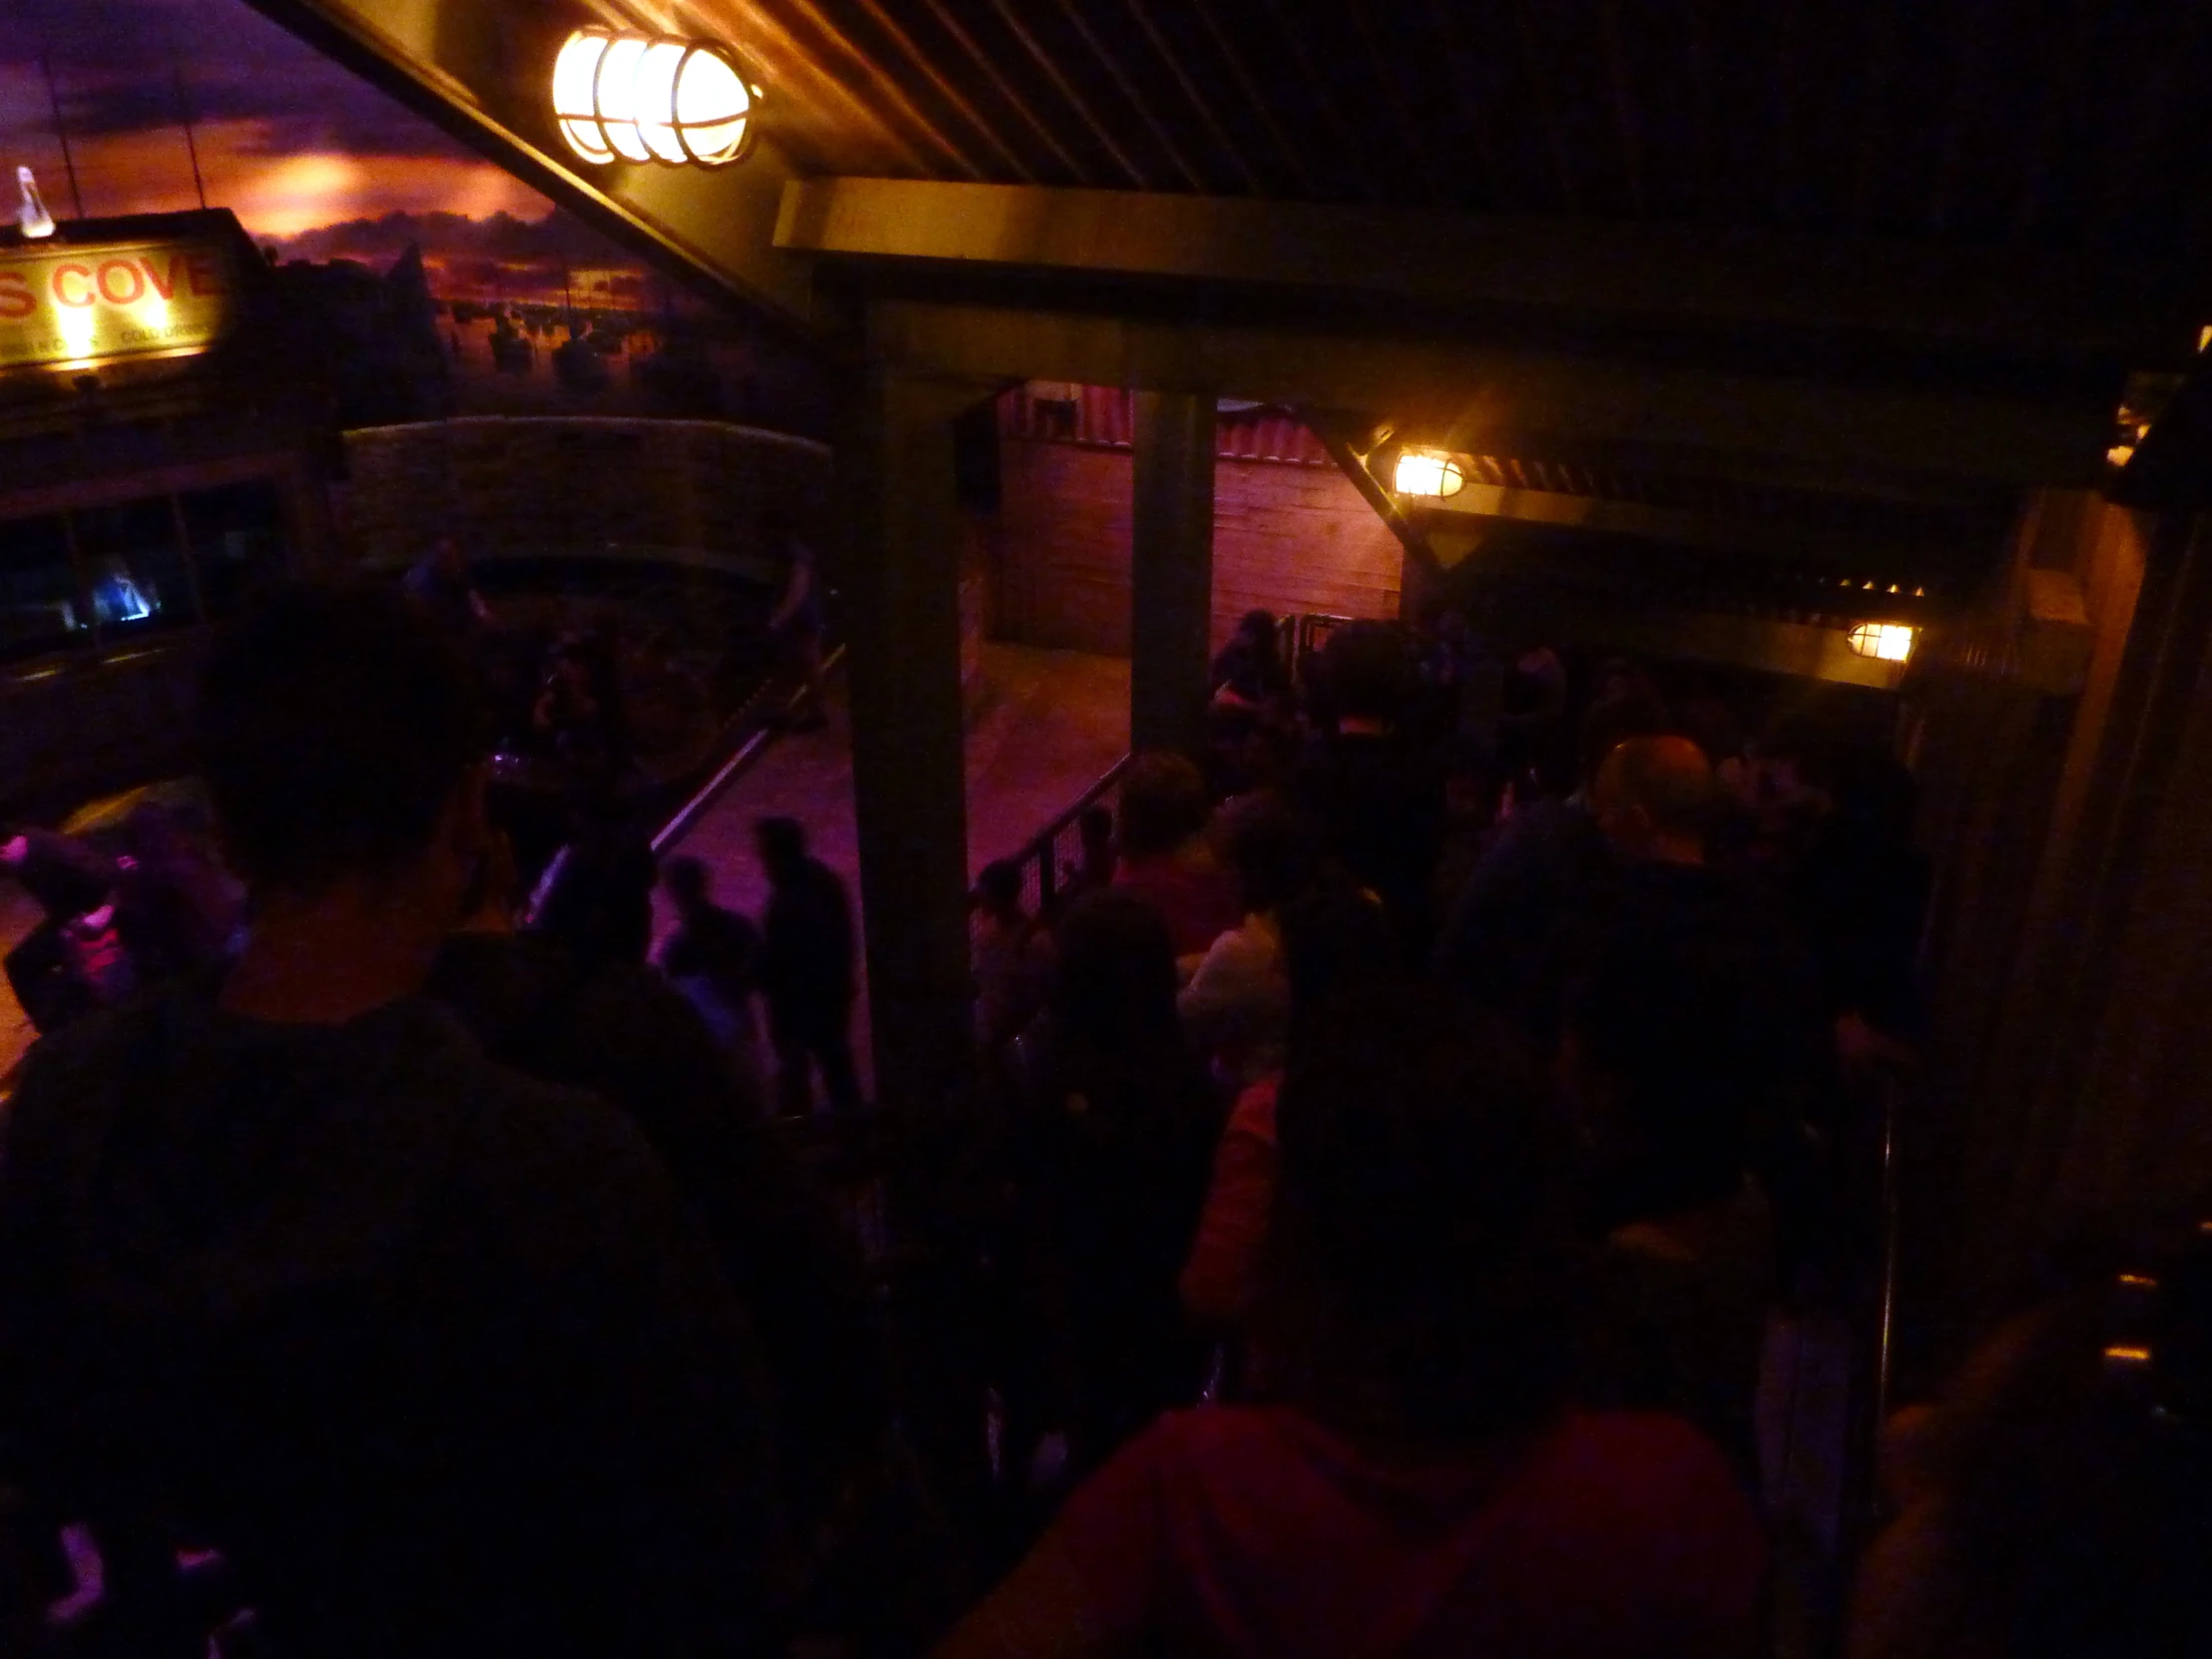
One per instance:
(651,97)
(1889,642)
(1428,472)
(31,214)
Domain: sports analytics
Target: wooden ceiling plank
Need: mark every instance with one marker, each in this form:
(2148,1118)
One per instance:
(1135,94)
(1547,97)
(1193,97)
(1881,23)
(1408,131)
(1505,195)
(887,84)
(1262,105)
(947,89)
(1695,35)
(792,57)
(1047,62)
(1625,125)
(950,23)
(1294,41)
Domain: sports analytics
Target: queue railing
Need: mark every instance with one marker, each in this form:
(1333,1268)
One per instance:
(1051,861)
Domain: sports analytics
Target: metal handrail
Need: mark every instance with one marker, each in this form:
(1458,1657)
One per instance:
(1040,853)
(741,761)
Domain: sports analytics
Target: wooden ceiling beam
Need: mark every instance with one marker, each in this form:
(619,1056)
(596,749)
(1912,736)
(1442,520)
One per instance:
(1996,303)
(1518,402)
(1680,527)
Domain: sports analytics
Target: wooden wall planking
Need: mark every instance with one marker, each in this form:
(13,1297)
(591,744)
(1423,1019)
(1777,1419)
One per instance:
(1286,538)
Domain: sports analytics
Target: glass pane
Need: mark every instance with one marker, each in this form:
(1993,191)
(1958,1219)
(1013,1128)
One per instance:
(237,540)
(133,569)
(39,606)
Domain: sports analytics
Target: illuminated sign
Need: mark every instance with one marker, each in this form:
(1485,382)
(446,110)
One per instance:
(78,306)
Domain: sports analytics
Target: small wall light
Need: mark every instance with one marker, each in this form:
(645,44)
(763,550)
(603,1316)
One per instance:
(1428,472)
(31,214)
(1889,642)
(651,97)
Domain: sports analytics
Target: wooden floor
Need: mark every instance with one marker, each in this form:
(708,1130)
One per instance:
(1050,722)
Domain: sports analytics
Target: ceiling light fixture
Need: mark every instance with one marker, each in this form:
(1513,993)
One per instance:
(1428,472)
(652,98)
(1889,642)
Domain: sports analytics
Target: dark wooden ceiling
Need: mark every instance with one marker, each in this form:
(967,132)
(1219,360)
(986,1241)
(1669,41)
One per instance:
(2058,123)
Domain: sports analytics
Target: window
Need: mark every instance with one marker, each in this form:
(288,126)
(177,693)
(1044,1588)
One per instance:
(134,568)
(237,533)
(137,567)
(40,608)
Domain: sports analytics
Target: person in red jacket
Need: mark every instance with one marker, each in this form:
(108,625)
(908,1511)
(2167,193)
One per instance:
(1419,1484)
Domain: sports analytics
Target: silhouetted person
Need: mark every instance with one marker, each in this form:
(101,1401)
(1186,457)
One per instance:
(714,955)
(440,584)
(2058,1500)
(1506,938)
(806,971)
(1010,955)
(1115,1125)
(73,962)
(617,1030)
(430,1354)
(1375,791)
(1674,947)
(1416,1482)
(176,910)
(1165,856)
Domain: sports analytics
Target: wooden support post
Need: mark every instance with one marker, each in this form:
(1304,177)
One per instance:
(902,577)
(1171,536)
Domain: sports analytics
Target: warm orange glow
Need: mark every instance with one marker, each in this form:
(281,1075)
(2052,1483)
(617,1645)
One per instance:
(2140,1281)
(1428,472)
(650,98)
(1889,642)
(2129,1355)
(2119,454)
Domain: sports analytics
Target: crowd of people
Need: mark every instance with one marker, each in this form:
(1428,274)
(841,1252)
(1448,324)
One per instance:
(1357,1238)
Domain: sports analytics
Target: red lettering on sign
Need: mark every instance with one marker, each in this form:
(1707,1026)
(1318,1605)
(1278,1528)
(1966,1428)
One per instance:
(15,296)
(200,274)
(83,275)
(166,287)
(130,295)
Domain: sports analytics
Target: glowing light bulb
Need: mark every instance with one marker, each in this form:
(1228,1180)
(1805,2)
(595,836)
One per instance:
(1425,472)
(651,97)
(1887,642)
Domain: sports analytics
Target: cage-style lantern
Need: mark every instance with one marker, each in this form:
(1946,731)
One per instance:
(1430,472)
(1889,642)
(651,97)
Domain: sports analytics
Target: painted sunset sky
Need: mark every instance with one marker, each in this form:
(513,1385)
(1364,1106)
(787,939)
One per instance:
(309,156)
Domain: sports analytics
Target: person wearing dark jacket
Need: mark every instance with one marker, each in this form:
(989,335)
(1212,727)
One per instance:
(806,971)
(622,1034)
(429,1352)
(1376,793)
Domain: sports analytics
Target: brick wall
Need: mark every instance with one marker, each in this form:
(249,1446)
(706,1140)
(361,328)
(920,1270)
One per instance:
(1286,538)
(570,483)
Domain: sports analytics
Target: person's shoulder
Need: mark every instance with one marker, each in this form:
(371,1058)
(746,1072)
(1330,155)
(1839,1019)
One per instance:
(68,1072)
(1638,1463)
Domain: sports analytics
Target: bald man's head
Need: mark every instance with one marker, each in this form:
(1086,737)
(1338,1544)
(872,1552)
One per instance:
(1656,798)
